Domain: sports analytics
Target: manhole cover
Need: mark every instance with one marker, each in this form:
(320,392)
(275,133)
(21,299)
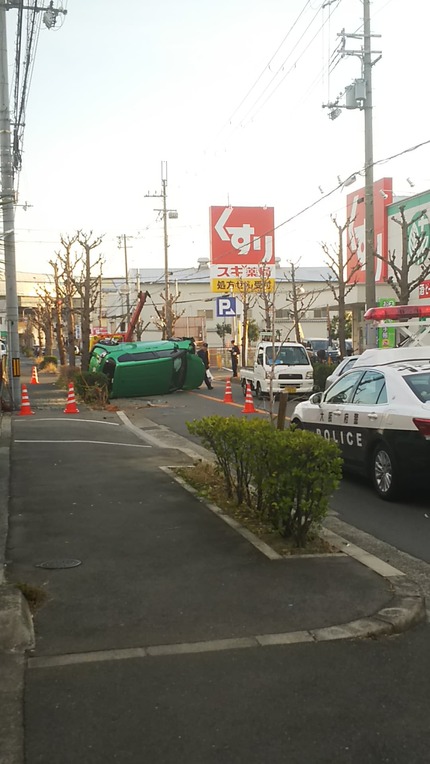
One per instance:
(58,564)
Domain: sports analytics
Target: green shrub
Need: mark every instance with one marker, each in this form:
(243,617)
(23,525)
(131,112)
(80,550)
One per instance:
(287,477)
(305,471)
(92,387)
(47,360)
(215,433)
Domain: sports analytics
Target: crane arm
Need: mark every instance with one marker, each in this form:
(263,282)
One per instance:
(135,317)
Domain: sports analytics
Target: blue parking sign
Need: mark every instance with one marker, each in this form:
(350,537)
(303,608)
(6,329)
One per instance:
(225,307)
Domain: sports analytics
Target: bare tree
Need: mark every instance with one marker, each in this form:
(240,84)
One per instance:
(299,300)
(45,312)
(140,328)
(266,298)
(27,336)
(415,252)
(339,285)
(167,316)
(66,266)
(58,318)
(248,299)
(87,285)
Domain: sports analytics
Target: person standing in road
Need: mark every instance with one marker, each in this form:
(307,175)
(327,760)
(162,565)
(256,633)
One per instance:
(203,353)
(234,350)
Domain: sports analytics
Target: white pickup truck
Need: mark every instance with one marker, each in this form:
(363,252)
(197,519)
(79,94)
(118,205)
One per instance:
(287,362)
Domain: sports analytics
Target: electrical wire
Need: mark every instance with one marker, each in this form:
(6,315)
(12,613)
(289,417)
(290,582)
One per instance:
(267,66)
(22,86)
(280,69)
(250,114)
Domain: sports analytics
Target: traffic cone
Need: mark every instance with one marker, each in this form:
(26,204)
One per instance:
(25,403)
(249,403)
(228,398)
(71,407)
(34,376)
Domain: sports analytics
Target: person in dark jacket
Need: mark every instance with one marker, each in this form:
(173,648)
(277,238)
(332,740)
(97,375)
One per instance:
(203,353)
(234,350)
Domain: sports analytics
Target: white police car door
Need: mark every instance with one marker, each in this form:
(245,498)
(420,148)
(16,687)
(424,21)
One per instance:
(332,418)
(367,410)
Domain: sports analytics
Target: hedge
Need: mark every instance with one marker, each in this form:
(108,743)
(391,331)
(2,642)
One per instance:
(286,476)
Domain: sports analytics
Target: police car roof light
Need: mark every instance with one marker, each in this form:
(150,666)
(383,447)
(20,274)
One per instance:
(423,425)
(397,313)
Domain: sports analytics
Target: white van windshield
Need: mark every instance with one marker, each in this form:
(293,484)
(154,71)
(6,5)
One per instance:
(285,356)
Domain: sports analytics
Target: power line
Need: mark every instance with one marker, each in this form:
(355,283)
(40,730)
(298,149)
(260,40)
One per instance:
(292,67)
(267,66)
(356,172)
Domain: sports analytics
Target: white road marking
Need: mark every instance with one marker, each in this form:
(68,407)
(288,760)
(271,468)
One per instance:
(93,442)
(63,419)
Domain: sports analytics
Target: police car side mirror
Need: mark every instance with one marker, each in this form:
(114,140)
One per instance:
(316,399)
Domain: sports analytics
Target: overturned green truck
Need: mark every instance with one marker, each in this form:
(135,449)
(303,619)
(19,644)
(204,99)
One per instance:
(137,369)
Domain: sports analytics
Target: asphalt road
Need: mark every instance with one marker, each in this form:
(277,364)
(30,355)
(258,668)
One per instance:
(404,524)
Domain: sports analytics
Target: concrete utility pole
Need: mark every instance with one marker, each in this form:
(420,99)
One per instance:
(368,160)
(7,196)
(7,205)
(123,239)
(168,302)
(359,96)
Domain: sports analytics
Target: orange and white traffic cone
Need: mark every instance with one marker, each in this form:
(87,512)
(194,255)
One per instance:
(249,403)
(34,376)
(25,403)
(228,397)
(71,407)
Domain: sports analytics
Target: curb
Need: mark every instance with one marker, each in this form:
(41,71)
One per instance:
(5,438)
(16,623)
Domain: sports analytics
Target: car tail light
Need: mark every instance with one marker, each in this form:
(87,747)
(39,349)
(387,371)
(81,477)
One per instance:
(423,425)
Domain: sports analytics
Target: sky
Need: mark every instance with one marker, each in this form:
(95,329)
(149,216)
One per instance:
(230,95)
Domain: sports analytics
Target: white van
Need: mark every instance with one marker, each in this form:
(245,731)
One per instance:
(279,366)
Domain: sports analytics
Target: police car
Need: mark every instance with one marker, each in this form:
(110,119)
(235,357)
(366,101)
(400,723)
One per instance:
(380,417)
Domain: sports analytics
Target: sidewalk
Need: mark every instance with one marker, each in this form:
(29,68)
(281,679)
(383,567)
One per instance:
(156,575)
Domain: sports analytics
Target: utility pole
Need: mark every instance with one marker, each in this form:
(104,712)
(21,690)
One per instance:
(358,95)
(368,165)
(164,212)
(123,239)
(168,316)
(7,196)
(7,202)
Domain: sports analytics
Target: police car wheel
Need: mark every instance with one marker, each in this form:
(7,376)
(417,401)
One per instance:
(384,473)
(297,423)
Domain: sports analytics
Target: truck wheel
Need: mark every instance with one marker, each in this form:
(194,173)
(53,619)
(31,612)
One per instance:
(258,392)
(244,383)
